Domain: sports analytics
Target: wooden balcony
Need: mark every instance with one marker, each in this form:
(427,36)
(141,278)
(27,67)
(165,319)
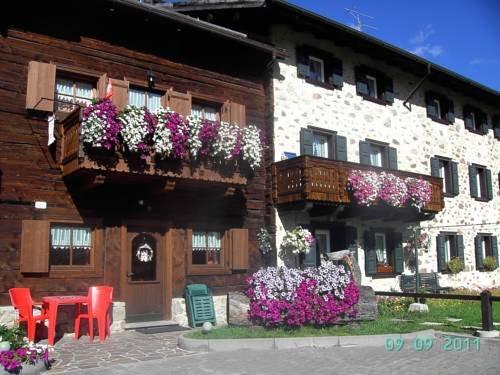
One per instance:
(309,178)
(75,160)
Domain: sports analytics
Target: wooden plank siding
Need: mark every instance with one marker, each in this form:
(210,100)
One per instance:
(29,171)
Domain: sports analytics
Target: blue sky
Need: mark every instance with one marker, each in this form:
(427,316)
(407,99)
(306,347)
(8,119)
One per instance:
(461,35)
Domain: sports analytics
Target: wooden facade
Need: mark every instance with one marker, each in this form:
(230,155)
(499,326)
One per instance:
(161,203)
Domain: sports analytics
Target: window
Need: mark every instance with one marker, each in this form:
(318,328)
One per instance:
(439,108)
(378,154)
(448,171)
(374,85)
(70,246)
(144,98)
(481,186)
(485,245)
(449,246)
(206,247)
(323,143)
(383,253)
(206,111)
(496,126)
(316,70)
(319,67)
(70,92)
(475,120)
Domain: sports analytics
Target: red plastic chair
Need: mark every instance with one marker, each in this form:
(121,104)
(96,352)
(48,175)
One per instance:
(100,298)
(23,303)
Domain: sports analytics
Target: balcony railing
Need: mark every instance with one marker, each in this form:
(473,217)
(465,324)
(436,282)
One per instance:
(76,160)
(309,178)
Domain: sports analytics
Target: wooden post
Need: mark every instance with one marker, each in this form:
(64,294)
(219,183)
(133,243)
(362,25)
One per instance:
(417,275)
(486,310)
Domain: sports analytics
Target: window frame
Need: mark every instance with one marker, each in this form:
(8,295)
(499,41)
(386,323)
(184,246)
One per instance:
(209,269)
(322,65)
(383,84)
(147,90)
(75,78)
(368,78)
(384,148)
(481,182)
(445,164)
(330,135)
(196,100)
(95,269)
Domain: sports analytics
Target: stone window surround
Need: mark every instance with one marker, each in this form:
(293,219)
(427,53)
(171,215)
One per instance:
(482,182)
(448,178)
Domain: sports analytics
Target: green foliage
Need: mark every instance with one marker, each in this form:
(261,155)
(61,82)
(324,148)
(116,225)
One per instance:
(455,265)
(13,335)
(388,305)
(490,263)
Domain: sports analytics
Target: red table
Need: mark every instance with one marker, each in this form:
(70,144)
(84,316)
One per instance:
(53,303)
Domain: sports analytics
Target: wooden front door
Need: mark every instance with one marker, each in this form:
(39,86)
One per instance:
(143,268)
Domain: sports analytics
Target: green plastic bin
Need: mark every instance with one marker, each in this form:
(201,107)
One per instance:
(199,305)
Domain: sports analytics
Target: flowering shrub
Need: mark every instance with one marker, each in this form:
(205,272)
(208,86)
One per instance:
(423,242)
(171,135)
(207,135)
(253,146)
(388,305)
(138,127)
(419,191)
(298,240)
(12,360)
(100,126)
(264,240)
(227,143)
(369,186)
(281,296)
(194,142)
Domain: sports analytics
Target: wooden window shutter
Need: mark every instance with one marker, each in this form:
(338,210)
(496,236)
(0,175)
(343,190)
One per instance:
(102,85)
(496,127)
(393,158)
(455,189)
(450,115)
(473,182)
(468,118)
(341,148)
(333,71)
(35,246)
(489,185)
(364,153)
(179,102)
(435,167)
(460,247)
(441,253)
(494,248)
(225,115)
(388,90)
(120,93)
(431,106)
(479,252)
(302,58)
(306,142)
(370,254)
(239,248)
(40,88)
(361,84)
(238,114)
(483,122)
(398,252)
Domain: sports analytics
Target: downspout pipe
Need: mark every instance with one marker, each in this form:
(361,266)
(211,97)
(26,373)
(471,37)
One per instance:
(410,95)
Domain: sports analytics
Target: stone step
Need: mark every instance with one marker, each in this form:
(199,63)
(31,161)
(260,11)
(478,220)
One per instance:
(150,324)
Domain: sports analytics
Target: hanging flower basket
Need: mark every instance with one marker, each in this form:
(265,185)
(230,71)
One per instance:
(297,241)
(138,127)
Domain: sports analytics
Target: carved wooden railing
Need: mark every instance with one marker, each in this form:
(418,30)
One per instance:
(75,159)
(308,178)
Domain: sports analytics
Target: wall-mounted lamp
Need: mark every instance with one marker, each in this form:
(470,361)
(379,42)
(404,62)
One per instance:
(151,78)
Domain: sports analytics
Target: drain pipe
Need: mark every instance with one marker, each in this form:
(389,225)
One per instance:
(405,103)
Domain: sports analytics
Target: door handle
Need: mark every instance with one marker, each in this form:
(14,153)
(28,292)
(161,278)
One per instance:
(130,274)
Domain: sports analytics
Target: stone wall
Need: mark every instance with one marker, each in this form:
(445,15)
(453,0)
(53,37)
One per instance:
(417,138)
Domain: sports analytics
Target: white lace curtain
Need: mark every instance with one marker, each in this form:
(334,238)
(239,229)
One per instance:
(64,237)
(206,241)
(73,91)
(139,98)
(206,112)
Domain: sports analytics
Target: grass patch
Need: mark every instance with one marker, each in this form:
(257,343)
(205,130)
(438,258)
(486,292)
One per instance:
(439,310)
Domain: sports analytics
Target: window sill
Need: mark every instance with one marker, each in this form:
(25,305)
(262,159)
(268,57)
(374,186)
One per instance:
(375,100)
(440,120)
(322,84)
(384,275)
(478,132)
(58,272)
(208,270)
(480,199)
(449,195)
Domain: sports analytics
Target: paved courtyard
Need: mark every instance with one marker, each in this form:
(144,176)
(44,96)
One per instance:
(137,353)
(119,349)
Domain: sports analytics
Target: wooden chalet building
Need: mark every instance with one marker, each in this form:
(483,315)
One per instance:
(69,220)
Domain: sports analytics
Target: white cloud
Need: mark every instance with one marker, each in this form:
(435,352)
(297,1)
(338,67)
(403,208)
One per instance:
(422,47)
(428,50)
(481,61)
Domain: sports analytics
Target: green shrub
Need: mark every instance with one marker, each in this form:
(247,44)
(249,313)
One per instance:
(455,265)
(13,335)
(390,305)
(490,263)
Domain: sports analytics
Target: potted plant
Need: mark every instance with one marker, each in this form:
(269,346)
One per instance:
(297,241)
(455,265)
(19,356)
(489,263)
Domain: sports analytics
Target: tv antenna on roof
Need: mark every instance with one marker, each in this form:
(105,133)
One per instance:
(358,25)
